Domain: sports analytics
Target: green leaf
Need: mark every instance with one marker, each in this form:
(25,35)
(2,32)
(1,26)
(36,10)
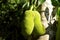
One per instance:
(58,12)
(16,1)
(56,2)
(40,1)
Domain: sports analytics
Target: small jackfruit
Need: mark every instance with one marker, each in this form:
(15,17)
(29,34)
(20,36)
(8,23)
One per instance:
(39,28)
(28,23)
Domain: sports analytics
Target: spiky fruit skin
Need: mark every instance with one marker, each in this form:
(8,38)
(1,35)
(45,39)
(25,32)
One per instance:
(39,28)
(32,20)
(28,23)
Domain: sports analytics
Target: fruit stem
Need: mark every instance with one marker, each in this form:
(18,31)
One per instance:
(31,7)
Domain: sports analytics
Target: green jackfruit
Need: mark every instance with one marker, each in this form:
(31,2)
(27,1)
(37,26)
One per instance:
(28,23)
(39,28)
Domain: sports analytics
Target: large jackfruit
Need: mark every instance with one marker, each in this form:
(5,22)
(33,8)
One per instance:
(28,23)
(39,28)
